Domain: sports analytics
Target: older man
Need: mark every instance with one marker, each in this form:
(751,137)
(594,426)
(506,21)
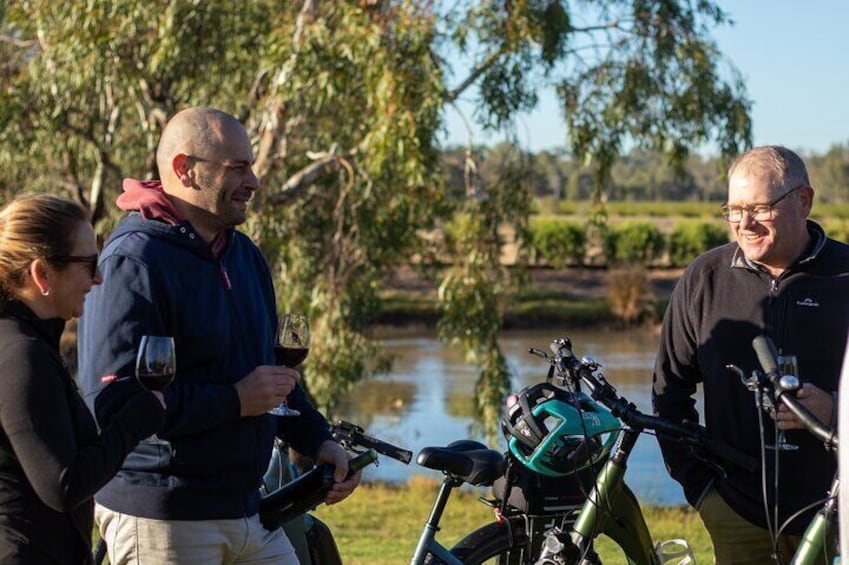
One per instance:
(176,266)
(781,277)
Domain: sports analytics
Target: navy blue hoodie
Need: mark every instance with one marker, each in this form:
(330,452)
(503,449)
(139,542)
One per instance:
(163,279)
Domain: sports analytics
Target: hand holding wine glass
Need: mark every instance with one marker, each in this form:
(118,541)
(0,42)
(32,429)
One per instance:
(787,365)
(293,345)
(156,364)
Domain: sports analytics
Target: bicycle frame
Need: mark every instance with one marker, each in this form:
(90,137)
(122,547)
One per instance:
(819,542)
(612,509)
(427,544)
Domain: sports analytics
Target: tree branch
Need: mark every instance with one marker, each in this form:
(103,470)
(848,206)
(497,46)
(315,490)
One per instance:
(269,124)
(297,184)
(493,57)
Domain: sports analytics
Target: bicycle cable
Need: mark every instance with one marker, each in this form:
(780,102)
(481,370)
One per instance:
(802,510)
(773,537)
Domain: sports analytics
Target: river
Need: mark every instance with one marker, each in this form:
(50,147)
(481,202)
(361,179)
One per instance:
(427,398)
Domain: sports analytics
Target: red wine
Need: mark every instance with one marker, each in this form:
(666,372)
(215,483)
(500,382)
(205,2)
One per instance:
(290,356)
(155,381)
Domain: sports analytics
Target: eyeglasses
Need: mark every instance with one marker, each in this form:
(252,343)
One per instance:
(90,260)
(757,212)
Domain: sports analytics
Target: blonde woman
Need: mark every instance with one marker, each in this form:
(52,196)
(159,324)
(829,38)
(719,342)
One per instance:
(52,457)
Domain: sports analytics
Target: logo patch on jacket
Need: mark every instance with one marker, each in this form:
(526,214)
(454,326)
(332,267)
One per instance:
(808,303)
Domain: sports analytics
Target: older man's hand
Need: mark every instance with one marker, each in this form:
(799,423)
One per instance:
(818,401)
(333,453)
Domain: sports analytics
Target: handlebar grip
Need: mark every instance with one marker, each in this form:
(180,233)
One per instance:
(352,437)
(767,355)
(305,492)
(397,453)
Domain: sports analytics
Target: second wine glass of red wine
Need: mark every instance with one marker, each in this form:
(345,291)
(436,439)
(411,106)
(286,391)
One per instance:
(156,365)
(293,346)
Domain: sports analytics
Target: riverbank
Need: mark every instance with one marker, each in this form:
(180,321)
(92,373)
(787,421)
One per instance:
(574,296)
(380,524)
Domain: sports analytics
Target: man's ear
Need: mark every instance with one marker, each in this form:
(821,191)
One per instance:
(807,199)
(182,167)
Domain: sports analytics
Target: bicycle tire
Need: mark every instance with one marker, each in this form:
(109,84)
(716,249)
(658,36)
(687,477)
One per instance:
(492,541)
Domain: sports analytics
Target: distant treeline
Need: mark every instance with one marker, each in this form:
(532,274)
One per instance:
(637,176)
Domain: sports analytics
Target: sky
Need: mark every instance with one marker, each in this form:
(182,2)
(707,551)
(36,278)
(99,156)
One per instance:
(792,55)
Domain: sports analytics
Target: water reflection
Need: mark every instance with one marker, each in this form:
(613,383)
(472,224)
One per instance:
(427,399)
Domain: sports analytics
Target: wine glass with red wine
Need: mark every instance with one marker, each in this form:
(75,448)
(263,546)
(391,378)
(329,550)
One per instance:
(156,364)
(293,345)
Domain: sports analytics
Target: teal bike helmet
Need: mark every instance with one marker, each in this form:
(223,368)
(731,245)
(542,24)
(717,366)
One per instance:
(556,432)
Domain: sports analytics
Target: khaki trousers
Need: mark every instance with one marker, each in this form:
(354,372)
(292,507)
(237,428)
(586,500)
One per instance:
(140,541)
(736,541)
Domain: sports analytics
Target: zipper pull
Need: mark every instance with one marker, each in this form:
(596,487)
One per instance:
(225,277)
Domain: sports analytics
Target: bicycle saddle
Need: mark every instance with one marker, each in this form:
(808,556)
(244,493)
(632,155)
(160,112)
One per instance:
(466,460)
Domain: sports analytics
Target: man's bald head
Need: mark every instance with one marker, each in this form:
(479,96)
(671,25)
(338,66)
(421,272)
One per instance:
(195,131)
(205,163)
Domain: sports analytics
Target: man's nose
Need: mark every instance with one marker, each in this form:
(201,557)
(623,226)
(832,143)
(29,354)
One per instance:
(252,182)
(746,218)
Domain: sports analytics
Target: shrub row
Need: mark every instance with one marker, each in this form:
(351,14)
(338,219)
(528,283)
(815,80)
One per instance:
(558,242)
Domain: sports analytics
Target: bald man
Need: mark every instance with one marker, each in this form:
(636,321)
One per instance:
(176,266)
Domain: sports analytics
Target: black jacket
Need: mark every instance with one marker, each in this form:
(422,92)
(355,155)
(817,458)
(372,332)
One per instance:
(721,303)
(52,459)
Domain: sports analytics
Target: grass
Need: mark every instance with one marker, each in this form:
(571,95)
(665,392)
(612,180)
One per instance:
(380,524)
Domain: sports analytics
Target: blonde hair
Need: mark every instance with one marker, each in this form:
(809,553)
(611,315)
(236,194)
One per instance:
(34,226)
(783,168)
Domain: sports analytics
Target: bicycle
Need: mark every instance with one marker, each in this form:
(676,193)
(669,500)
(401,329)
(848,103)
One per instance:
(572,444)
(611,508)
(819,542)
(288,497)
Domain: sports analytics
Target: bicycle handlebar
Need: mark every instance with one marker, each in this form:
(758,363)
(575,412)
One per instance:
(575,371)
(352,437)
(767,354)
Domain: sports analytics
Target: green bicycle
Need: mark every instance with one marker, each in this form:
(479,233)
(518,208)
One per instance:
(611,508)
(579,445)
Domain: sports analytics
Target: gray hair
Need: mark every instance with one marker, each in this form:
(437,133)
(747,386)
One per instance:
(783,168)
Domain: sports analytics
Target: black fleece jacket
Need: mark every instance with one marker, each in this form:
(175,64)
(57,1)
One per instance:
(719,306)
(52,459)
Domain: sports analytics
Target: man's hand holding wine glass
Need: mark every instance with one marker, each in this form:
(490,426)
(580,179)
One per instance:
(265,387)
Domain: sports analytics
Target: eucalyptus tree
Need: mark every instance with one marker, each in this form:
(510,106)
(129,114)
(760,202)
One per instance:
(345,101)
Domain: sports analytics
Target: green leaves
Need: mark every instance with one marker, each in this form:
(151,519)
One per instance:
(344,101)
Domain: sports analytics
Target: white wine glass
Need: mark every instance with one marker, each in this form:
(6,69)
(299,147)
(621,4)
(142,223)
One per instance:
(293,346)
(156,365)
(787,365)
